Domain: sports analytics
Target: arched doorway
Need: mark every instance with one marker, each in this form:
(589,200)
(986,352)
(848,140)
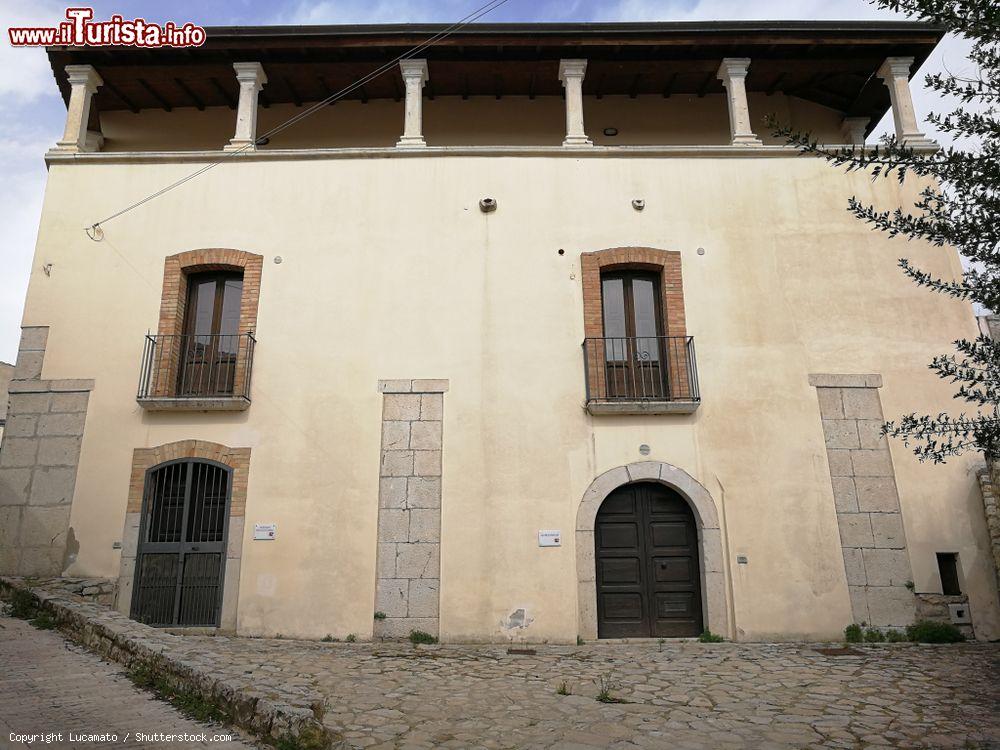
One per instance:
(715,609)
(647,559)
(181,555)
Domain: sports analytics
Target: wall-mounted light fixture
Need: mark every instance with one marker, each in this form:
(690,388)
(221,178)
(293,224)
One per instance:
(610,132)
(488,205)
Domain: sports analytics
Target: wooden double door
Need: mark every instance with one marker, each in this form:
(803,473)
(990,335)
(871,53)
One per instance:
(648,573)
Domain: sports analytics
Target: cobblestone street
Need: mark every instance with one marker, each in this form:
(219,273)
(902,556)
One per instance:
(680,695)
(48,684)
(675,694)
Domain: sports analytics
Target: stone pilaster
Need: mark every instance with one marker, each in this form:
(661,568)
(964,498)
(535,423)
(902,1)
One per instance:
(38,463)
(733,74)
(571,73)
(408,568)
(251,78)
(867,503)
(415,77)
(84,82)
(895,73)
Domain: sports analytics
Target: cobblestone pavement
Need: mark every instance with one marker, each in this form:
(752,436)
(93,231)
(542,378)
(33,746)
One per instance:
(48,685)
(677,695)
(674,695)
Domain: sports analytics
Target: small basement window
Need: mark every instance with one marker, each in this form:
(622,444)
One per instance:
(948,568)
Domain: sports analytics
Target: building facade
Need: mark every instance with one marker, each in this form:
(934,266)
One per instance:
(538,336)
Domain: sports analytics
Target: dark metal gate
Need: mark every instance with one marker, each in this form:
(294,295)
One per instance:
(181,557)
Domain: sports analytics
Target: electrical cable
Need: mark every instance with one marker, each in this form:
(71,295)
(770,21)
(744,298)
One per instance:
(96,233)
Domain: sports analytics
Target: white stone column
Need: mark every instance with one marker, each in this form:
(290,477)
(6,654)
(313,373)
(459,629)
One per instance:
(571,74)
(854,129)
(252,79)
(895,73)
(733,73)
(83,81)
(414,78)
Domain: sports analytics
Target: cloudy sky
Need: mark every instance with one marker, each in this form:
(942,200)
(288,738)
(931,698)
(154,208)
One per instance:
(32,114)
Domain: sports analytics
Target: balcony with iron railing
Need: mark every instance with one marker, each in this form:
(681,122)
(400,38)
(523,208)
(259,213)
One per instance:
(196,372)
(641,375)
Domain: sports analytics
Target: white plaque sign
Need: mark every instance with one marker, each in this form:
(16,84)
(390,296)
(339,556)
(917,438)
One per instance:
(550,538)
(265,531)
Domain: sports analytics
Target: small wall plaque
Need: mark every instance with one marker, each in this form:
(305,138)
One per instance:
(550,538)
(265,531)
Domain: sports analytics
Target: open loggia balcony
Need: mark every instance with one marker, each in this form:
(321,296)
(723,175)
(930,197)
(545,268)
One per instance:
(638,87)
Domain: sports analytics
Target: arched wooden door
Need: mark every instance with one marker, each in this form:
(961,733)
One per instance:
(182,544)
(648,572)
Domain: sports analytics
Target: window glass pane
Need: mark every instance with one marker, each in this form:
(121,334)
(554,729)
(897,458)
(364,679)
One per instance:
(613,293)
(646,328)
(229,326)
(203,309)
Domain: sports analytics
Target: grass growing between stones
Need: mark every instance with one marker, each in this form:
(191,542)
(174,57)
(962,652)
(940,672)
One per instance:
(187,702)
(44,621)
(22,605)
(607,684)
(707,636)
(419,636)
(563,689)
(931,631)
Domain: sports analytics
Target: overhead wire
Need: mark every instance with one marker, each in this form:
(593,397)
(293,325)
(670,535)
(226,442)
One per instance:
(95,232)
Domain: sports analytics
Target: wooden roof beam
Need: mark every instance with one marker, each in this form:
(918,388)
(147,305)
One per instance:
(703,89)
(291,90)
(129,105)
(668,89)
(190,94)
(155,94)
(633,90)
(776,83)
(230,101)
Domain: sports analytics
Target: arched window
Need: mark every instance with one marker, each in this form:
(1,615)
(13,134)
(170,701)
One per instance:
(182,544)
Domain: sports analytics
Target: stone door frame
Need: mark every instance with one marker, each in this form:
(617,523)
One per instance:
(713,577)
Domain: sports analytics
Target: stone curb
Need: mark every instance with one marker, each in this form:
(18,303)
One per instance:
(131,644)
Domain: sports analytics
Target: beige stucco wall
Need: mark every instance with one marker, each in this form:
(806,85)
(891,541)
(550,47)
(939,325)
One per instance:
(391,271)
(477,121)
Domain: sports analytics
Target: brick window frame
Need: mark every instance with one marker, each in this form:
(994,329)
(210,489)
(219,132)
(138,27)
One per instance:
(666,263)
(177,269)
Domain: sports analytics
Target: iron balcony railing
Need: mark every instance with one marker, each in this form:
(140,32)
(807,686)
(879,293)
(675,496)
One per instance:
(193,366)
(641,368)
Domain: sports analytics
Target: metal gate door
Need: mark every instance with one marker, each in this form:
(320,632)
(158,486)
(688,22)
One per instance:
(182,544)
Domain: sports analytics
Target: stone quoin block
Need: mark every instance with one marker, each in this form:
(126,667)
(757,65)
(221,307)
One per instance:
(425,525)
(862,403)
(877,494)
(871,463)
(423,597)
(392,492)
(425,436)
(887,567)
(423,492)
(855,530)
(831,403)
(401,407)
(888,530)
(52,485)
(841,433)
(427,463)
(395,435)
(845,496)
